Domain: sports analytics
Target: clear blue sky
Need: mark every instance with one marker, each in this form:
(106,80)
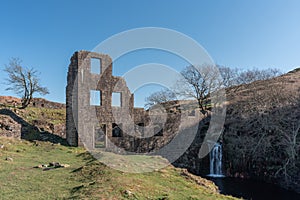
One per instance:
(44,34)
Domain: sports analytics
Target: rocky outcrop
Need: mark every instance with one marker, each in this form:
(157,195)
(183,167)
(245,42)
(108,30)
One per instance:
(44,120)
(9,127)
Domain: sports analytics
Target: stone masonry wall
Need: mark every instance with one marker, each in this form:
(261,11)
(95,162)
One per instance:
(124,127)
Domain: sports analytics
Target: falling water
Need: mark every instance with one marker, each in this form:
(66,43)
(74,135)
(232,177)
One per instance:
(216,161)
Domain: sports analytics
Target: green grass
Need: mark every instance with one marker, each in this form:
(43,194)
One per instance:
(19,180)
(87,178)
(31,114)
(54,116)
(100,144)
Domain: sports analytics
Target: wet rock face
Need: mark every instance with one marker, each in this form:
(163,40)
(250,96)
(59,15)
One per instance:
(190,159)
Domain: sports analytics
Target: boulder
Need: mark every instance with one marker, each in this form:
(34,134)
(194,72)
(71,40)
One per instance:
(64,165)
(54,164)
(9,159)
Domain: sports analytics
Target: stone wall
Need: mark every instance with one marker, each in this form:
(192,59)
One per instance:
(124,127)
(43,103)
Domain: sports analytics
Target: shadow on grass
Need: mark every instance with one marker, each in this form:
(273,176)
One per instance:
(31,132)
(86,156)
(88,174)
(76,189)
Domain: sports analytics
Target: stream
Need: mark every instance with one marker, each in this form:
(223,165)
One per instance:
(253,189)
(244,188)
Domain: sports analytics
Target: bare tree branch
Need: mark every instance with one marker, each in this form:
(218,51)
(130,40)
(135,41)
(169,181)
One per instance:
(23,81)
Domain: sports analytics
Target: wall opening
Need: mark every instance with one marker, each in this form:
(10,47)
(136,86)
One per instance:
(142,93)
(158,130)
(95,98)
(192,113)
(117,130)
(100,136)
(139,128)
(96,66)
(116,99)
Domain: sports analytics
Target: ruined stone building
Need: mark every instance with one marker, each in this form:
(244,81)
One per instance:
(101,113)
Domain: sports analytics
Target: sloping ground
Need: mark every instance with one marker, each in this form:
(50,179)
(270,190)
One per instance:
(287,84)
(36,102)
(8,100)
(41,120)
(87,178)
(262,130)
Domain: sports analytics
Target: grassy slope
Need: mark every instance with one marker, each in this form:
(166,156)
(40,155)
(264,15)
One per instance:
(86,178)
(54,116)
(22,181)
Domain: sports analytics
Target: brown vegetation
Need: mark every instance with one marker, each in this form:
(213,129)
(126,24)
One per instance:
(262,137)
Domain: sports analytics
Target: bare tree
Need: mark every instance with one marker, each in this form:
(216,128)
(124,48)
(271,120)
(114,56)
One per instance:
(288,137)
(198,83)
(159,97)
(263,131)
(251,75)
(23,81)
(229,76)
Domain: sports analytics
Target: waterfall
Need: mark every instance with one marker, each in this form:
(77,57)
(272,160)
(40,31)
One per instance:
(215,156)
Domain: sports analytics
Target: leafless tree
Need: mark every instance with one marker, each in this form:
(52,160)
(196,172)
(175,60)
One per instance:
(263,131)
(198,82)
(159,97)
(23,81)
(229,76)
(251,75)
(288,134)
